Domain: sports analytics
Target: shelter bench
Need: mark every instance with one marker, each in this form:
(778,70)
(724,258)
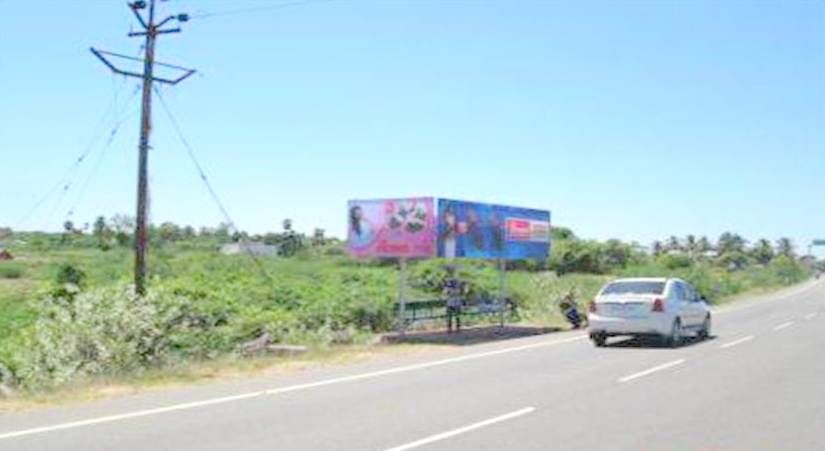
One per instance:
(433,309)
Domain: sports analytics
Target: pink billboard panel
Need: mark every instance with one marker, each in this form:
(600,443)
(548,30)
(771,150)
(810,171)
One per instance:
(392,228)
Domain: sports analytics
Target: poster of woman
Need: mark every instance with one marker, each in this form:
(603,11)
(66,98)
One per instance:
(384,228)
(361,232)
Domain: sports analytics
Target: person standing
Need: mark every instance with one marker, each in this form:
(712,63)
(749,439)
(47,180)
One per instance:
(452,289)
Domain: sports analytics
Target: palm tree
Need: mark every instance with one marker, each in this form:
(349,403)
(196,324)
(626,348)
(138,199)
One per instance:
(730,242)
(763,252)
(690,245)
(318,237)
(703,245)
(657,248)
(673,244)
(784,246)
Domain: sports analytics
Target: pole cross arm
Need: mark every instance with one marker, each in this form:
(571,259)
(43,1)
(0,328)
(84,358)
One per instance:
(132,34)
(102,54)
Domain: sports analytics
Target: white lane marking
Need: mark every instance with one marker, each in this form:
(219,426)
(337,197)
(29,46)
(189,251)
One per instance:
(810,315)
(276,391)
(652,370)
(737,342)
(141,413)
(463,430)
(783,325)
(420,366)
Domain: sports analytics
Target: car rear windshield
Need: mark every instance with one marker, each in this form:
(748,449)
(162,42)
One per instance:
(635,287)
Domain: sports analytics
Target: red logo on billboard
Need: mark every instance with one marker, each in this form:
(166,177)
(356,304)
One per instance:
(518,229)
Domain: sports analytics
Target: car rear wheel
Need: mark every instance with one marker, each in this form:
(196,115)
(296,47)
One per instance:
(599,340)
(675,338)
(704,332)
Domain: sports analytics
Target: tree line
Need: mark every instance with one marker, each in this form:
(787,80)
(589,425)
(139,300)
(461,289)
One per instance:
(730,250)
(570,253)
(118,232)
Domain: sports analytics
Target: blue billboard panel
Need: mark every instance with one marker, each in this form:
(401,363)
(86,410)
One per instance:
(474,230)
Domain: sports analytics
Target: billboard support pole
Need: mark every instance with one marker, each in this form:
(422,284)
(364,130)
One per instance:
(402,284)
(502,273)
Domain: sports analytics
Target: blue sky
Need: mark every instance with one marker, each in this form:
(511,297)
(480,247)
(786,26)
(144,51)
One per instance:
(634,120)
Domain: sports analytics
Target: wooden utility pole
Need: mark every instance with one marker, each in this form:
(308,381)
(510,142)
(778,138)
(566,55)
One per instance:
(143,152)
(151,32)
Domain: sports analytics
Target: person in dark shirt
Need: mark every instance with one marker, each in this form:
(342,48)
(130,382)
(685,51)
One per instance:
(451,287)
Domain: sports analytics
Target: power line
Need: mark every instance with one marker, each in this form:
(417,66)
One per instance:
(202,174)
(257,9)
(85,185)
(71,182)
(68,176)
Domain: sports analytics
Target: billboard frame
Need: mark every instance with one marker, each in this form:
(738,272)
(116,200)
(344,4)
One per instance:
(436,210)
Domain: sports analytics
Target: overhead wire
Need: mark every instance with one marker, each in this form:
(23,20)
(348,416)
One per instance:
(70,183)
(99,160)
(202,174)
(256,9)
(66,180)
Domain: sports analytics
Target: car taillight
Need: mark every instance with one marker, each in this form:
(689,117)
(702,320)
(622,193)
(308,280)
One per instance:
(592,307)
(658,305)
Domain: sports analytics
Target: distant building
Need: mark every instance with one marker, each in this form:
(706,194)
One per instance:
(254,248)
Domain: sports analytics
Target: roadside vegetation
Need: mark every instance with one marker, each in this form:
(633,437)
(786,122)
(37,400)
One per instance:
(68,312)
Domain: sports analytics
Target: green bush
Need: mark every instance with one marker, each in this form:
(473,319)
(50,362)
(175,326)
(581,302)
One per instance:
(481,277)
(70,274)
(538,294)
(675,261)
(99,332)
(788,270)
(11,270)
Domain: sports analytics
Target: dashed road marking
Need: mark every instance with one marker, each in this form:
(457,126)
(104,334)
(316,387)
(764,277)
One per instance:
(463,430)
(737,342)
(652,370)
(783,325)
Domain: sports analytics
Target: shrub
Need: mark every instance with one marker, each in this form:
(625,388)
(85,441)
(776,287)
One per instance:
(11,270)
(103,331)
(537,294)
(69,274)
(576,256)
(480,276)
(788,270)
(675,261)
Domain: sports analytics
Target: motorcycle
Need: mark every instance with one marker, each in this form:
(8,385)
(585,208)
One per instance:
(570,311)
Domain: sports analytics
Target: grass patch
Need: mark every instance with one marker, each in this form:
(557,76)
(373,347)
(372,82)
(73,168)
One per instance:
(11,270)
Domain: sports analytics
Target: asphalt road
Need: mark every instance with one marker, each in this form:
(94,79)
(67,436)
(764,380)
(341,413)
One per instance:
(758,385)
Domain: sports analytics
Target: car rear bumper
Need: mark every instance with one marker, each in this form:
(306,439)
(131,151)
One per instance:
(652,325)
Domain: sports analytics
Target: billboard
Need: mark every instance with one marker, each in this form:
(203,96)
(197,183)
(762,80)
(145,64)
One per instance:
(475,230)
(402,228)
